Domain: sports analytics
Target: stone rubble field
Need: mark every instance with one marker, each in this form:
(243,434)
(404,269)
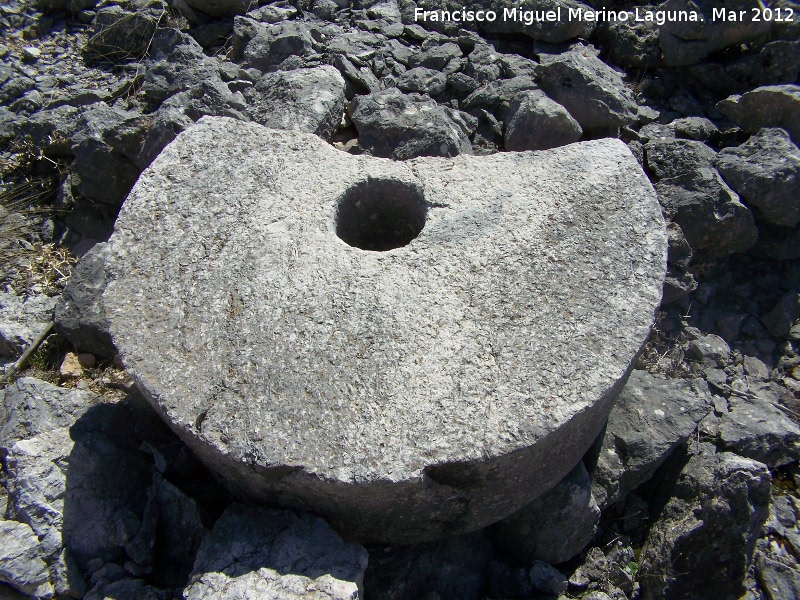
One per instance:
(690,491)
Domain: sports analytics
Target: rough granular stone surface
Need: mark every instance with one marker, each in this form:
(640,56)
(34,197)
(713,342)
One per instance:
(411,350)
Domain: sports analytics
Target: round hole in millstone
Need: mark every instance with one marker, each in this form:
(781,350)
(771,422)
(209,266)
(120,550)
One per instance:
(380,214)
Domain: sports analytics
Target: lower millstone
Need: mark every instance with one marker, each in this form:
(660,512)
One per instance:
(409,349)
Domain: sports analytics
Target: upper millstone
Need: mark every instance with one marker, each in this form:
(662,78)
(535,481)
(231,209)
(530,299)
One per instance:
(411,350)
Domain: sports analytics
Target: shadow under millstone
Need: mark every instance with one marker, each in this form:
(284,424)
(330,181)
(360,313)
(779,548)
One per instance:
(126,521)
(449,569)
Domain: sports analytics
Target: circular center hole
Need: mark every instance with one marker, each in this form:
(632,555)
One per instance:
(380,214)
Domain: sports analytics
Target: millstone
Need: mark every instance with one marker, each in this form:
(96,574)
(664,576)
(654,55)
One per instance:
(409,349)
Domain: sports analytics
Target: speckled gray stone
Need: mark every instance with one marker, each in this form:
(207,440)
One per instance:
(404,395)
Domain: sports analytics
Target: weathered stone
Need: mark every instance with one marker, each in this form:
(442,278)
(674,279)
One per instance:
(631,43)
(680,252)
(668,157)
(556,526)
(423,81)
(367,403)
(768,106)
(709,525)
(79,315)
(552,30)
(592,92)
(121,35)
(276,554)
(310,100)
(537,123)
(70,366)
(403,126)
(754,428)
(684,42)
(496,96)
(547,579)
(263,46)
(784,315)
(713,220)
(22,321)
(710,349)
(651,418)
(774,63)
(695,128)
(765,172)
(20,564)
(223,8)
(30,406)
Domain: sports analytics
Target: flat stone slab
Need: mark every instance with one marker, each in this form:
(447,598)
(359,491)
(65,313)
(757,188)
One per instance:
(409,349)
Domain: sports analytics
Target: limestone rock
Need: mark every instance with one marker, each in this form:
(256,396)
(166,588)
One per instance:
(765,172)
(713,220)
(373,361)
(496,96)
(223,8)
(592,92)
(275,554)
(537,123)
(30,406)
(755,428)
(121,35)
(310,100)
(403,126)
(556,526)
(651,418)
(709,525)
(423,81)
(710,350)
(767,106)
(631,43)
(79,315)
(685,42)
(20,564)
(668,157)
(554,31)
(22,321)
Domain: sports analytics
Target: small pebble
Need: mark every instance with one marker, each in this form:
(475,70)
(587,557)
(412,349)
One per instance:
(87,360)
(31,53)
(70,366)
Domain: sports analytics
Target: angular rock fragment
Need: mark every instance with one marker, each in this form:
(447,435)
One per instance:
(765,172)
(79,315)
(651,418)
(755,428)
(20,564)
(121,35)
(310,100)
(423,81)
(403,126)
(686,42)
(668,157)
(709,525)
(713,220)
(276,554)
(332,399)
(30,406)
(556,526)
(767,106)
(537,123)
(22,321)
(592,92)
